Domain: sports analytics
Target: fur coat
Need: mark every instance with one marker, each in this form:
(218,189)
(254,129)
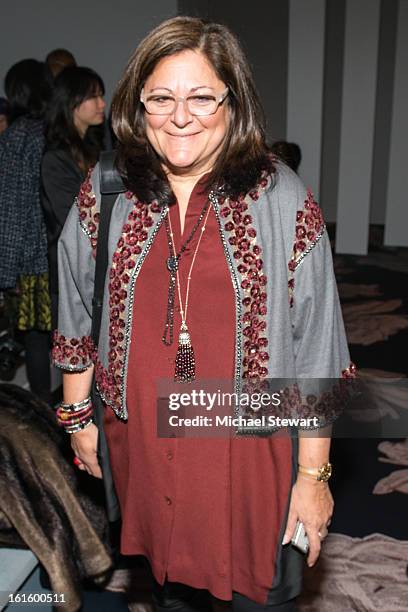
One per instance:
(46,505)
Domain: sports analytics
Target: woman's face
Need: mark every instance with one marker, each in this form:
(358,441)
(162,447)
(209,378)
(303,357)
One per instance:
(89,112)
(186,143)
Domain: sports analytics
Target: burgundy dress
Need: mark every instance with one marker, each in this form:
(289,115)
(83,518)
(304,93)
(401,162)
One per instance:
(205,512)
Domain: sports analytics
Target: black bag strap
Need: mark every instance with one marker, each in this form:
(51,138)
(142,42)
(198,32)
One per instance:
(111,185)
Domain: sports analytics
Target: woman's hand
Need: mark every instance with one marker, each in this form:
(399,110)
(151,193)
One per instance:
(312,504)
(84,444)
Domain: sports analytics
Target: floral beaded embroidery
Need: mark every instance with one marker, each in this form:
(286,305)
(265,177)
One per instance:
(326,406)
(250,266)
(309,229)
(88,216)
(350,372)
(74,354)
(247,254)
(321,407)
(129,248)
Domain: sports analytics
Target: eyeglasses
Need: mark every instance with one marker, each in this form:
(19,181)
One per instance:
(199,105)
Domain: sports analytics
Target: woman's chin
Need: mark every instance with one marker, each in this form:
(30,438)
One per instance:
(181,162)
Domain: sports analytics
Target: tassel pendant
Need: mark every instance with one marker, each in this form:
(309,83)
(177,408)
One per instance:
(185,361)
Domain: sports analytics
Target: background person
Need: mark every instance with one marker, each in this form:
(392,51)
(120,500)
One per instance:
(74,139)
(23,243)
(288,152)
(210,515)
(58,59)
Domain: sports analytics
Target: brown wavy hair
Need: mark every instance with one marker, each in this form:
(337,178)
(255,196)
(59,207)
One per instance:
(244,156)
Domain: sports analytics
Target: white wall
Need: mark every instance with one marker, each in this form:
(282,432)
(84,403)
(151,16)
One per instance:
(100,33)
(357,125)
(305,85)
(397,209)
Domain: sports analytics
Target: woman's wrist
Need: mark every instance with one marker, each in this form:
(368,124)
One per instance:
(76,416)
(320,473)
(310,480)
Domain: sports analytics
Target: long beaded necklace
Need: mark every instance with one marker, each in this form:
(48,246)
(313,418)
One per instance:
(185,360)
(172,266)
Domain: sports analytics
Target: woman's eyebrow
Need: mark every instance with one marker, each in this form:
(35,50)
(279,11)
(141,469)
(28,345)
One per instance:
(161,89)
(192,90)
(201,87)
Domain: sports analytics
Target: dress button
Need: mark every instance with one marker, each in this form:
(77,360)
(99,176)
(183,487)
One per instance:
(168,500)
(169,455)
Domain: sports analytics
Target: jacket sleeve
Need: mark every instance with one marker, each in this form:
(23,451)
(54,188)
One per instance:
(319,337)
(320,345)
(73,348)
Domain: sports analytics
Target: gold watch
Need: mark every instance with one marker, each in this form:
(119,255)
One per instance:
(322,474)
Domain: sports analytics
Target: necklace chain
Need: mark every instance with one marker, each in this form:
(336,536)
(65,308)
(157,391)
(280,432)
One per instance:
(185,367)
(183,310)
(172,262)
(172,266)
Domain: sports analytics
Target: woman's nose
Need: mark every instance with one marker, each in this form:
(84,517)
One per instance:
(181,115)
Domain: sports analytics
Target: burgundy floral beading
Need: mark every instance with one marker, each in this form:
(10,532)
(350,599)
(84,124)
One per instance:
(242,237)
(88,216)
(129,248)
(73,354)
(350,372)
(326,406)
(309,229)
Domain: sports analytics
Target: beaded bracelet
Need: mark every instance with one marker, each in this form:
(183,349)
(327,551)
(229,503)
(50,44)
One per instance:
(63,413)
(67,419)
(76,406)
(75,428)
(75,417)
(64,417)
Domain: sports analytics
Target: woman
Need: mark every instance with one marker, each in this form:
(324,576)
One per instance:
(23,243)
(74,137)
(209,514)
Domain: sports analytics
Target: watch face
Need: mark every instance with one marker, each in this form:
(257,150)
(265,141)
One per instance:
(325,472)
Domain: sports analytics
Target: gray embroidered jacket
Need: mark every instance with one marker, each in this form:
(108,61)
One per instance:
(288,317)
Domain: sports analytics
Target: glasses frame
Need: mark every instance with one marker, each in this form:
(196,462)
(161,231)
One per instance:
(177,99)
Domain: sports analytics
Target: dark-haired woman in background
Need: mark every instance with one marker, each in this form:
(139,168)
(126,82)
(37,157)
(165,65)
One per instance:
(23,244)
(74,136)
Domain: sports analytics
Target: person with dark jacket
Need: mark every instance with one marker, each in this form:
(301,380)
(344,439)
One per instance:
(74,137)
(23,243)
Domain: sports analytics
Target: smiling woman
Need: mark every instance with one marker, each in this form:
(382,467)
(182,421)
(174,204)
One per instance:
(186,140)
(200,62)
(207,241)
